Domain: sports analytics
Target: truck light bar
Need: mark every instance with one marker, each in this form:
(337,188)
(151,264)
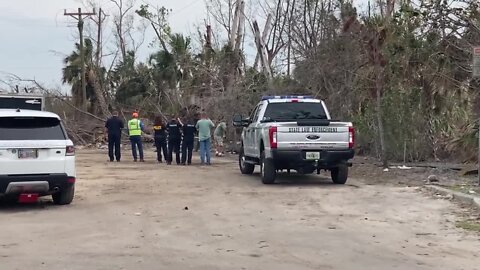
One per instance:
(285,97)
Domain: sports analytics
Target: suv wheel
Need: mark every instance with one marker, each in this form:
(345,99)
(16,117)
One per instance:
(64,196)
(245,168)
(340,174)
(267,170)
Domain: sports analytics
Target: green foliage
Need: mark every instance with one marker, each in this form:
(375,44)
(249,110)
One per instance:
(469,225)
(158,19)
(428,96)
(72,75)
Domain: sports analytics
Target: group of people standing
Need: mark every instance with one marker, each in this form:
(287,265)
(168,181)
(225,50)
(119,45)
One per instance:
(175,136)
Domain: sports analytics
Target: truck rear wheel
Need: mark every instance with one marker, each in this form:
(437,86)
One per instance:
(340,174)
(267,170)
(245,168)
(64,196)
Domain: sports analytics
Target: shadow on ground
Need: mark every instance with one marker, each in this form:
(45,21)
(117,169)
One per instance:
(294,179)
(9,205)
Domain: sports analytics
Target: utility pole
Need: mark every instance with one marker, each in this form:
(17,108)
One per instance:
(78,16)
(101,19)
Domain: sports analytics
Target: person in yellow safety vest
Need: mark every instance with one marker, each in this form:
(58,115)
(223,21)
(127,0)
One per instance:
(135,128)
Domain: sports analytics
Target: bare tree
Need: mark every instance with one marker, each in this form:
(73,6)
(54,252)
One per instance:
(277,30)
(262,51)
(158,21)
(223,12)
(309,28)
(123,21)
(266,31)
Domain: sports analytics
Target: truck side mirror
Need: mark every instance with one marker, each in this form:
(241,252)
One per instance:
(237,120)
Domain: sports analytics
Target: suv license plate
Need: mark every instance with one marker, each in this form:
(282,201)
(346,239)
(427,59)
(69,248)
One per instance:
(312,155)
(27,153)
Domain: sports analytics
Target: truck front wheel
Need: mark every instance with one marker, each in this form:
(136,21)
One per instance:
(268,170)
(340,174)
(245,168)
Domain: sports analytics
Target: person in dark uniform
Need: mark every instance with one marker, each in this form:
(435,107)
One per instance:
(160,136)
(113,127)
(189,131)
(196,117)
(174,140)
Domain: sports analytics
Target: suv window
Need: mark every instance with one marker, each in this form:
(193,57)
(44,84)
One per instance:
(293,111)
(31,128)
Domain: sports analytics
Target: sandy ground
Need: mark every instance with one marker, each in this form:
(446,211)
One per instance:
(134,216)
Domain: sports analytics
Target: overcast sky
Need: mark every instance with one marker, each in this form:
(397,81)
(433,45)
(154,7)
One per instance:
(36,35)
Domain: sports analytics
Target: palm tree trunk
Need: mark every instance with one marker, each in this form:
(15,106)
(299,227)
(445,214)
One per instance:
(97,87)
(379,89)
(379,112)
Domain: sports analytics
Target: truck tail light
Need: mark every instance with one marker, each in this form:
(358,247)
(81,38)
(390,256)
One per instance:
(272,134)
(70,151)
(72,180)
(351,137)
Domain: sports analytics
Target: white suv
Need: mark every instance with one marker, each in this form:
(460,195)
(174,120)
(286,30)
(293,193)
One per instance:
(36,156)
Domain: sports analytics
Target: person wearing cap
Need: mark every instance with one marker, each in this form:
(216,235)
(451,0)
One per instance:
(135,128)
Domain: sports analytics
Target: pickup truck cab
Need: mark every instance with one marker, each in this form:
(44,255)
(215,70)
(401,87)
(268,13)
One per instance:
(294,132)
(36,156)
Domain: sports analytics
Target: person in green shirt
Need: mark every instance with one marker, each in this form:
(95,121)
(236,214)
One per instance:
(219,134)
(204,126)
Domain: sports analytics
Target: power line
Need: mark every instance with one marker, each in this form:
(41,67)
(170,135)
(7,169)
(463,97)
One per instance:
(185,7)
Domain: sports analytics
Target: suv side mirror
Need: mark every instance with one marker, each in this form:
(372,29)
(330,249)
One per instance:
(239,121)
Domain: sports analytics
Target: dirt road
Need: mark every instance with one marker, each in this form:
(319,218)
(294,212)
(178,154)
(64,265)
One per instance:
(133,216)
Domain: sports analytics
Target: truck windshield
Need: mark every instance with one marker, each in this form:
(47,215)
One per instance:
(30,128)
(293,111)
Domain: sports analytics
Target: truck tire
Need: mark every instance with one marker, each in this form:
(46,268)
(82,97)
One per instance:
(245,168)
(64,196)
(268,171)
(340,174)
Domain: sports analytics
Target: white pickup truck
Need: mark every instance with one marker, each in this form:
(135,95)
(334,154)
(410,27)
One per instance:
(294,132)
